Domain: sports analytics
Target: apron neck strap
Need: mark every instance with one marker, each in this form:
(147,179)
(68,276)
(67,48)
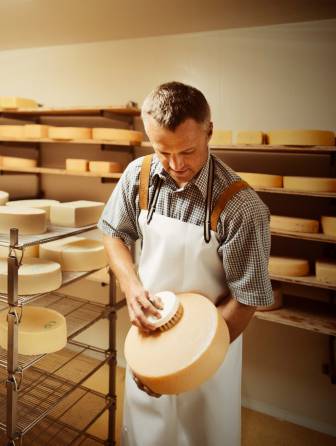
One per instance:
(144,182)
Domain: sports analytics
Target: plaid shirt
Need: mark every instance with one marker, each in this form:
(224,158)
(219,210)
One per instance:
(242,232)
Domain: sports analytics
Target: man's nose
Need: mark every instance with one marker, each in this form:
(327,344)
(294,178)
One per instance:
(176,162)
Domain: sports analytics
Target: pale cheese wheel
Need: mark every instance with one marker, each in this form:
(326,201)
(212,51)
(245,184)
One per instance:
(278,300)
(261,179)
(35,276)
(288,266)
(301,137)
(11,131)
(184,356)
(69,133)
(76,213)
(26,220)
(309,184)
(41,203)
(291,224)
(28,251)
(14,162)
(41,330)
(4,196)
(328,225)
(77,165)
(14,102)
(326,271)
(221,137)
(75,253)
(249,137)
(35,131)
(108,134)
(105,167)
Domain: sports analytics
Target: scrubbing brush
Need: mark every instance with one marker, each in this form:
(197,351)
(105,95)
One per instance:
(171,312)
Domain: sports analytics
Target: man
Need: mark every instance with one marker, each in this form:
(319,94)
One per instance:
(202,229)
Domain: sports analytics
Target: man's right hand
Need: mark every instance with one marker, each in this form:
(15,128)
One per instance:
(142,304)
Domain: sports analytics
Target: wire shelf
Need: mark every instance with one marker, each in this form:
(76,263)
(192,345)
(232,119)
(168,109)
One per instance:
(79,314)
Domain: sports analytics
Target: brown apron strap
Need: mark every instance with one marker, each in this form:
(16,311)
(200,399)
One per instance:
(224,198)
(144,181)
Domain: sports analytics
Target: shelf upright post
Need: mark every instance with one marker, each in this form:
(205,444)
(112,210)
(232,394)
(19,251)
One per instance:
(12,339)
(112,317)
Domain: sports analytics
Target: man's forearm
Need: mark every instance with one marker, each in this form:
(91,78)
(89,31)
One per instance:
(236,315)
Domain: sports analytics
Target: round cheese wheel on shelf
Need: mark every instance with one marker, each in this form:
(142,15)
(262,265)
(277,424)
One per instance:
(18,162)
(108,134)
(14,102)
(4,196)
(69,133)
(42,203)
(35,276)
(301,137)
(288,266)
(183,356)
(291,224)
(105,167)
(35,131)
(328,225)
(221,137)
(41,330)
(26,220)
(29,251)
(75,253)
(261,179)
(250,137)
(11,131)
(326,271)
(309,184)
(77,164)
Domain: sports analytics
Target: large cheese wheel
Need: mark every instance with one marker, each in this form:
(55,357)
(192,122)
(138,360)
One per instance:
(282,223)
(261,179)
(310,184)
(14,102)
(277,297)
(11,131)
(288,266)
(41,330)
(328,225)
(28,251)
(250,137)
(104,167)
(41,203)
(4,196)
(26,220)
(35,276)
(326,271)
(15,161)
(107,134)
(301,137)
(76,213)
(75,253)
(76,165)
(184,356)
(68,133)
(35,131)
(221,137)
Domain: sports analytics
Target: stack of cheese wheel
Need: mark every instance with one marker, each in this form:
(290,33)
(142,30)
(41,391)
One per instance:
(291,224)
(35,276)
(75,253)
(326,271)
(41,203)
(301,137)
(277,297)
(14,102)
(221,137)
(4,196)
(187,350)
(117,135)
(15,162)
(27,220)
(250,137)
(35,131)
(41,330)
(288,266)
(309,184)
(76,165)
(105,167)
(69,133)
(75,214)
(328,224)
(261,179)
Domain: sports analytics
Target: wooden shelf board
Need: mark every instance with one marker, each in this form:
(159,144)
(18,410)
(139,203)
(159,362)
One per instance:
(305,236)
(273,148)
(70,141)
(72,111)
(303,313)
(306,280)
(53,171)
(281,190)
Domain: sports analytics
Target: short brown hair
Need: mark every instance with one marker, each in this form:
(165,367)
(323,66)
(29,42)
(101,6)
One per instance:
(170,104)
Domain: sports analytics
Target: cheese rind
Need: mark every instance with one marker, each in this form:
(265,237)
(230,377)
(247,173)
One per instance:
(26,220)
(328,225)
(261,179)
(76,213)
(35,276)
(41,330)
(291,224)
(4,196)
(14,162)
(108,134)
(75,253)
(68,133)
(301,137)
(11,131)
(76,165)
(221,137)
(29,251)
(35,131)
(104,167)
(42,203)
(326,271)
(249,137)
(288,266)
(14,102)
(309,184)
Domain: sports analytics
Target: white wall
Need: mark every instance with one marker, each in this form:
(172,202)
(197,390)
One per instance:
(258,78)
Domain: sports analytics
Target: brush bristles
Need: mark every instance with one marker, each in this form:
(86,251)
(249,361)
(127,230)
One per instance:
(174,320)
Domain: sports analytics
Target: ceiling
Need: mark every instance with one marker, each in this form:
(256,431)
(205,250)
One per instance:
(38,23)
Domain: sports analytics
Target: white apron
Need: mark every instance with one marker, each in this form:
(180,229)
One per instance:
(175,257)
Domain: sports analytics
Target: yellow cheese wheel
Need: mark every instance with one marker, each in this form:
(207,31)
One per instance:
(4,196)
(75,214)
(41,203)
(11,131)
(104,167)
(16,162)
(75,253)
(108,134)
(278,300)
(249,137)
(76,165)
(29,251)
(41,330)
(328,225)
(261,179)
(221,137)
(26,220)
(309,184)
(301,137)
(35,131)
(291,224)
(288,266)
(68,133)
(184,356)
(14,102)
(326,271)
(35,276)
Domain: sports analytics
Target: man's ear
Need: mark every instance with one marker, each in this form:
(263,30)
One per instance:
(210,131)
